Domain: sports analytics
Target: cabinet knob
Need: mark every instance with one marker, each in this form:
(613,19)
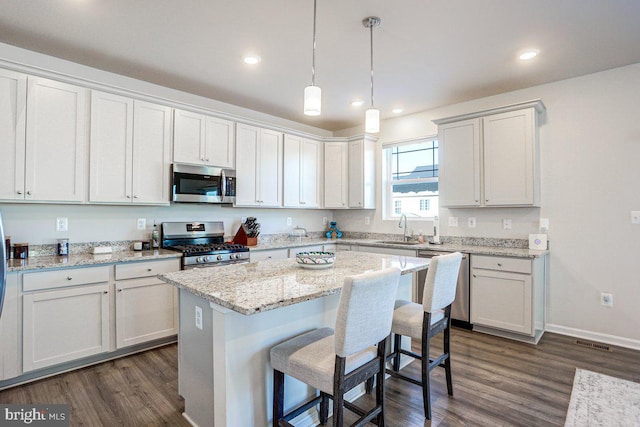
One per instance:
(135,197)
(128,196)
(105,292)
(206,160)
(69,278)
(28,193)
(19,192)
(149,269)
(119,290)
(303,203)
(499,265)
(475,275)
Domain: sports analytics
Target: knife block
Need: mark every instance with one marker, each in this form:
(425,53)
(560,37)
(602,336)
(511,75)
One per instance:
(242,239)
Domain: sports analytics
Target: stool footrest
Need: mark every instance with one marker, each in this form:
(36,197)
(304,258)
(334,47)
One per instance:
(365,417)
(300,409)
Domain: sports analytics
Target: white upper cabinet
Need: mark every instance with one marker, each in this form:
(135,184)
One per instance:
(13,101)
(491,159)
(459,149)
(43,139)
(203,140)
(130,150)
(362,174)
(302,169)
(259,166)
(336,174)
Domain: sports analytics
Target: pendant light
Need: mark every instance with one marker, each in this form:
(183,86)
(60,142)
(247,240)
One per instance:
(313,93)
(372,115)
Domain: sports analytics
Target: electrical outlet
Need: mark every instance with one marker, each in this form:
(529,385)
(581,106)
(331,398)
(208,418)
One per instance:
(243,219)
(62,224)
(199,317)
(506,224)
(606,299)
(289,221)
(325,220)
(471,222)
(453,221)
(142,223)
(544,224)
(367,220)
(635,217)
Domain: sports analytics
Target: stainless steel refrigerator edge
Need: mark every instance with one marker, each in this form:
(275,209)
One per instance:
(3,266)
(461,305)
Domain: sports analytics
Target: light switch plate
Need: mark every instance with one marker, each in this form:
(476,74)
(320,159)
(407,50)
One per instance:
(471,222)
(142,223)
(635,217)
(453,221)
(199,317)
(62,224)
(367,220)
(289,221)
(506,224)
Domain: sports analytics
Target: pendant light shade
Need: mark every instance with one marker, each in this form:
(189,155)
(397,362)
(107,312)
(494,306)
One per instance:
(372,121)
(372,115)
(312,100)
(313,93)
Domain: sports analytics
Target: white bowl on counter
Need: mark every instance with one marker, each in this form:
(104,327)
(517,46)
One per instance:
(315,260)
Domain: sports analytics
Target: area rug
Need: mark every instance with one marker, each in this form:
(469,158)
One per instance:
(601,400)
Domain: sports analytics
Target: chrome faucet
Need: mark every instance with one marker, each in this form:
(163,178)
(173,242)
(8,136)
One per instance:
(403,222)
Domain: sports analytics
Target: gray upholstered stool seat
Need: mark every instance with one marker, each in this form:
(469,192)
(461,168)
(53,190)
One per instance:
(426,320)
(334,362)
(408,317)
(311,358)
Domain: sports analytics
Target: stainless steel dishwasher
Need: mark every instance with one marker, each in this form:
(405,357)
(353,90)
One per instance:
(460,307)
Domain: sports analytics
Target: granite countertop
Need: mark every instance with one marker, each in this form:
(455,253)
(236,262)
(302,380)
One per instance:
(447,247)
(47,262)
(267,285)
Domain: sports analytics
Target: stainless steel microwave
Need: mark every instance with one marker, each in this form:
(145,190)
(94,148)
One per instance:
(203,184)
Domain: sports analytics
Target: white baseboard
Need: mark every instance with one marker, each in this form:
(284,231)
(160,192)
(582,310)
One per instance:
(594,336)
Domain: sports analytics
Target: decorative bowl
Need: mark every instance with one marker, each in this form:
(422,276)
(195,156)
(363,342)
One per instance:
(315,260)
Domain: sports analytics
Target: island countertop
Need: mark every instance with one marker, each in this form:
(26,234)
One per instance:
(267,285)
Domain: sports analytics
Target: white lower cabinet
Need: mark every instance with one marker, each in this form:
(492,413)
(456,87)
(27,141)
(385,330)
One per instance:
(507,296)
(269,255)
(64,325)
(146,308)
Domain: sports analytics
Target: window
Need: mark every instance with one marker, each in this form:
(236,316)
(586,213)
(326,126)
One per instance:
(411,179)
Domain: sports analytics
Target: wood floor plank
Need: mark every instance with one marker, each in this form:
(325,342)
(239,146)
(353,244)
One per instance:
(497,382)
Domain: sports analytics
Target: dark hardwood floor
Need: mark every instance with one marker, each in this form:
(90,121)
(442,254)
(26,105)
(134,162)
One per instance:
(497,382)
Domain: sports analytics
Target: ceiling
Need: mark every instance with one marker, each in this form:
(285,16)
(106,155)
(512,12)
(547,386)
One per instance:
(426,53)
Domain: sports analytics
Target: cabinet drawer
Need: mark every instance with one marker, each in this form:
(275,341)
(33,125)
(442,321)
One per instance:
(63,278)
(146,269)
(516,265)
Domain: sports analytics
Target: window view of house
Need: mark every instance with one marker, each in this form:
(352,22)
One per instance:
(412,179)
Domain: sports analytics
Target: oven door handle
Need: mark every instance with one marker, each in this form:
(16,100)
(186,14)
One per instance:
(223,186)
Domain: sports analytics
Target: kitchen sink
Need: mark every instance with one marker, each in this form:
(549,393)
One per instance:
(397,242)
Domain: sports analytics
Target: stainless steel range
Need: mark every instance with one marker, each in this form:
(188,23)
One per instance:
(202,244)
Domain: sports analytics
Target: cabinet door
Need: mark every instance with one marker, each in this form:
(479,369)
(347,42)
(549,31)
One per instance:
(246,164)
(56,141)
(509,158)
(188,138)
(220,140)
(146,309)
(335,175)
(270,168)
(151,148)
(13,97)
(356,174)
(310,173)
(501,300)
(459,159)
(60,326)
(301,172)
(110,148)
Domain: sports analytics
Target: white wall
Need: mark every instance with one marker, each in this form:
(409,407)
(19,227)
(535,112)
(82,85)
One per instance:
(35,223)
(590,164)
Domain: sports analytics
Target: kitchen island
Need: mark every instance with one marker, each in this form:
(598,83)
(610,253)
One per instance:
(231,316)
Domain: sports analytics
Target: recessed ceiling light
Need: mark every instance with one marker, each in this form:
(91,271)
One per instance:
(357,103)
(251,59)
(529,55)
(397,110)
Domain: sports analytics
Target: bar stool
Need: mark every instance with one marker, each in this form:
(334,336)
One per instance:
(334,362)
(426,320)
